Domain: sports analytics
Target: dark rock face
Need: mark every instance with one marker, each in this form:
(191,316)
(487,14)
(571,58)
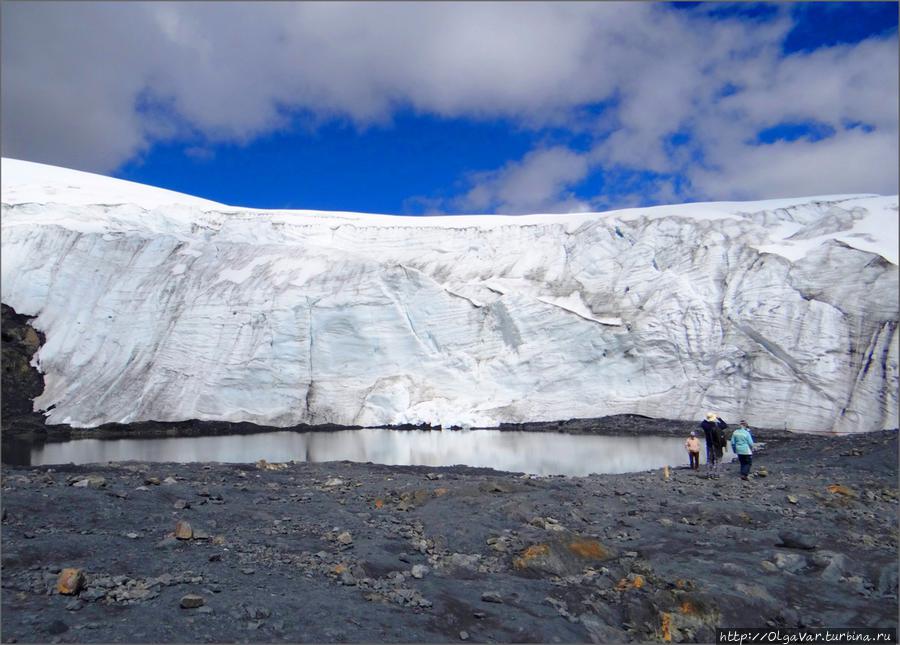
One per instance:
(21,382)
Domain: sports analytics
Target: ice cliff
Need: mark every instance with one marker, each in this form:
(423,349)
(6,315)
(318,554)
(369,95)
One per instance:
(161,306)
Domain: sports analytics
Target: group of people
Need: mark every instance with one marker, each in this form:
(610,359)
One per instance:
(714,434)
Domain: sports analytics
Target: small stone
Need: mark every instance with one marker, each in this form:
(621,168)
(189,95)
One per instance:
(183,530)
(200,534)
(151,481)
(192,601)
(91,481)
(345,538)
(166,542)
(74,605)
(491,596)
(792,499)
(70,581)
(131,536)
(334,481)
(169,481)
(464,635)
(793,540)
(419,571)
(215,557)
(247,571)
(479,614)
(181,504)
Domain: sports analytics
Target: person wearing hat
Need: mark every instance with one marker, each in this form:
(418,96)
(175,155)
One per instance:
(693,447)
(742,445)
(713,427)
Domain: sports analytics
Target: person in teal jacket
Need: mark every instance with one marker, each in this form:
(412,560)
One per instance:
(742,446)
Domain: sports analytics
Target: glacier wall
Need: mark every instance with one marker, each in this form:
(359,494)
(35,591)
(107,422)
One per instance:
(780,313)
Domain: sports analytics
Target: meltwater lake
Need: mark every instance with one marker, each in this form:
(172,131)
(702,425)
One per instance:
(535,453)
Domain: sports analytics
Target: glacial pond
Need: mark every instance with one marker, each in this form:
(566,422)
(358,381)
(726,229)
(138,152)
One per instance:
(535,453)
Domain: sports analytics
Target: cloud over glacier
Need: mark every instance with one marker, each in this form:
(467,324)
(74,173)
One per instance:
(677,95)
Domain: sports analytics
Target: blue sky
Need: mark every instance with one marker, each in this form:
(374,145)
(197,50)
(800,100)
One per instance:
(423,108)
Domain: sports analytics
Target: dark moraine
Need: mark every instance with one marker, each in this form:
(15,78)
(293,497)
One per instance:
(355,552)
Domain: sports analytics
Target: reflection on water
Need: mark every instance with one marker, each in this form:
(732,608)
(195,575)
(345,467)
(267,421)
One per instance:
(530,452)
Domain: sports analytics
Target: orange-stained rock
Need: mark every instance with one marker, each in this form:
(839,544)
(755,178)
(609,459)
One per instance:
(530,554)
(439,492)
(183,531)
(666,629)
(379,503)
(633,581)
(70,581)
(590,549)
(838,489)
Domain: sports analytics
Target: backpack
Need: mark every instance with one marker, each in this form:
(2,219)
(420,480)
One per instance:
(719,433)
(718,437)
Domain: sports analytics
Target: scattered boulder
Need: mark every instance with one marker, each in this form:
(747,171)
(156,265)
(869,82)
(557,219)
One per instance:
(183,530)
(70,581)
(792,540)
(192,601)
(181,504)
(419,571)
(839,489)
(834,564)
(345,538)
(790,562)
(492,596)
(464,560)
(567,555)
(91,481)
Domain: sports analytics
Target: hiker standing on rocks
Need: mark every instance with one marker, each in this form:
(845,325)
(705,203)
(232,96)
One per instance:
(742,445)
(713,427)
(693,447)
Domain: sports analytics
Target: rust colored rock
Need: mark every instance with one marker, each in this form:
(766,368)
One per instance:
(70,581)
(838,489)
(183,531)
(589,549)
(530,554)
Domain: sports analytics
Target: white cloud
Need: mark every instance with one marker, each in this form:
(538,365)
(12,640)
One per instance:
(537,183)
(75,74)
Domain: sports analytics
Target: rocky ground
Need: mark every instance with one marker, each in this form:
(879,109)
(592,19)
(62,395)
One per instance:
(343,552)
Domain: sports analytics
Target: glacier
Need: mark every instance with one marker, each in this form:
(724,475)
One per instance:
(162,306)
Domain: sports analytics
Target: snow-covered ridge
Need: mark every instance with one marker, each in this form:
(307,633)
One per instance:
(162,306)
